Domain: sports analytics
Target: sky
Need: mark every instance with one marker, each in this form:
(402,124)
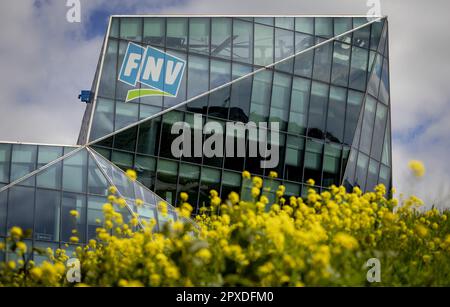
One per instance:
(45,61)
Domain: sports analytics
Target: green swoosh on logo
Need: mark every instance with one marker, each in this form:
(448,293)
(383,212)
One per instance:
(138,93)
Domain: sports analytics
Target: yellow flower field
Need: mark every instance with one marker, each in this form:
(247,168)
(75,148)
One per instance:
(258,238)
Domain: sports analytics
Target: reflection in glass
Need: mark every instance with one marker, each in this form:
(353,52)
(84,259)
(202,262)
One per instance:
(176,33)
(264,36)
(221,39)
(47,215)
(199,35)
(242,41)
(299,105)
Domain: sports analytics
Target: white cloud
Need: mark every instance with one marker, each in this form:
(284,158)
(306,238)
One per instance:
(45,61)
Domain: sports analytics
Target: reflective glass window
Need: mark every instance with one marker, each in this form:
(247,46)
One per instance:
(97,183)
(115,27)
(292,189)
(131,28)
(261,94)
(108,78)
(240,94)
(384,85)
(265,20)
(317,109)
(3,210)
(146,170)
(281,94)
(231,182)
(331,165)
(242,41)
(379,130)
(198,72)
(126,114)
(372,176)
(199,35)
(361,170)
(103,123)
(154,31)
(94,214)
(323,57)
(209,180)
(358,68)
(294,158)
(176,33)
(299,105)
(336,114)
(263,50)
(23,162)
(374,83)
(313,161)
(48,206)
(182,91)
(385,175)
(221,39)
(50,178)
(304,24)
(285,22)
(189,182)
(5,159)
(341,64)
(386,156)
(342,25)
(220,73)
(361,37)
(375,37)
(324,26)
(166,184)
(148,140)
(367,127)
(74,172)
(284,47)
(21,207)
(71,202)
(354,102)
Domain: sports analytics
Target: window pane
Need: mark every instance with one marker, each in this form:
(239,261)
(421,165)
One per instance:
(146,170)
(379,130)
(386,157)
(354,102)
(342,25)
(126,114)
(166,183)
(385,176)
(299,105)
(367,128)
(281,94)
(317,110)
(74,172)
(122,160)
(51,177)
(47,154)
(263,45)
(220,73)
(47,215)
(154,31)
(148,140)
(3,210)
(108,78)
(199,35)
(115,27)
(341,64)
(95,213)
(221,37)
(372,177)
(198,72)
(21,207)
(361,170)
(243,41)
(313,161)
(332,165)
(103,123)
(304,24)
(210,179)
(336,114)
(97,183)
(265,20)
(181,96)
(5,158)
(358,70)
(71,202)
(262,85)
(23,162)
(294,158)
(384,85)
(231,182)
(176,33)
(131,28)
(374,83)
(361,37)
(322,62)
(324,26)
(240,94)
(189,182)
(284,47)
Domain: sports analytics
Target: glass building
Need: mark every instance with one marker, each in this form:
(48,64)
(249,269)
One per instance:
(324,80)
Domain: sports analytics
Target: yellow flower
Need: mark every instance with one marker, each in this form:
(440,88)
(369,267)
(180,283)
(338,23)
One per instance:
(213,193)
(310,182)
(155,279)
(36,273)
(204,254)
(246,175)
(74,213)
(233,197)
(257,182)
(11,265)
(16,233)
(112,190)
(2,246)
(131,174)
(417,168)
(74,239)
(346,241)
(22,247)
(273,174)
(184,196)
(255,192)
(215,201)
(139,202)
(421,231)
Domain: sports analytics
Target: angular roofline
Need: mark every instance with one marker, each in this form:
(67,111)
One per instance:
(250,15)
(38,144)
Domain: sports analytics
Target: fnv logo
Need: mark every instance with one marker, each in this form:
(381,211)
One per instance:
(159,70)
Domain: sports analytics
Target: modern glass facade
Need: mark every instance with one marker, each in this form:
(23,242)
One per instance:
(325,80)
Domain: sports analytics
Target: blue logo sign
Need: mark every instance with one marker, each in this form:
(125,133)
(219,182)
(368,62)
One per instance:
(154,68)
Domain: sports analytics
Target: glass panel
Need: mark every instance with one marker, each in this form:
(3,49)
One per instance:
(361,170)
(373,175)
(292,189)
(94,214)
(23,162)
(303,63)
(97,183)
(148,111)
(342,25)
(154,31)
(263,45)
(350,169)
(284,47)
(299,105)
(261,93)
(47,154)
(341,64)
(281,94)
(131,28)
(242,41)
(126,114)
(240,94)
(294,158)
(322,61)
(198,72)
(166,182)
(386,157)
(313,161)
(384,86)
(304,24)
(385,176)
(199,35)
(221,37)
(115,27)
(123,160)
(181,96)
(71,202)
(265,20)
(220,73)
(218,127)
(103,123)
(51,177)
(108,78)
(378,135)
(21,207)
(5,159)
(331,165)
(358,69)
(148,140)
(3,211)
(47,215)
(375,37)
(210,179)
(336,114)
(354,102)
(285,22)
(231,182)
(361,37)
(75,172)
(146,170)
(324,26)
(317,110)
(123,184)
(367,128)
(189,182)
(176,33)
(374,83)
(168,120)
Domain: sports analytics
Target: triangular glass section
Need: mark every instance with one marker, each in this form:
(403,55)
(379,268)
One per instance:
(386,157)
